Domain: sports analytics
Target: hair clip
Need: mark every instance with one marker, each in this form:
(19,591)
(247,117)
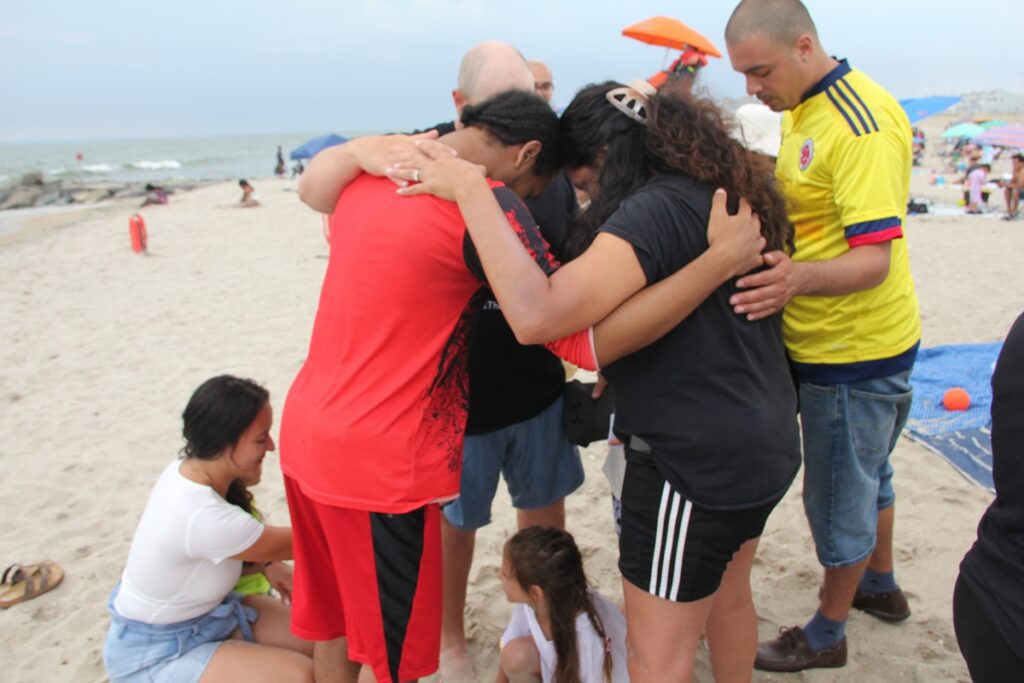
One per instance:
(631,99)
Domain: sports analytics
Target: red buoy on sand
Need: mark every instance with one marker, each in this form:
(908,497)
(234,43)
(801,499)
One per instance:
(137,232)
(956,398)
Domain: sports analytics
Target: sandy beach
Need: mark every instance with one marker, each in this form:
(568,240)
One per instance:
(101,349)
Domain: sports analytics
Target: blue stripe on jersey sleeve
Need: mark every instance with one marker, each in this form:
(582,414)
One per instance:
(853,107)
(863,106)
(868,227)
(842,111)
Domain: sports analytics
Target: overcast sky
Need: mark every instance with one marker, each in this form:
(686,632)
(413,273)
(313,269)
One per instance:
(124,68)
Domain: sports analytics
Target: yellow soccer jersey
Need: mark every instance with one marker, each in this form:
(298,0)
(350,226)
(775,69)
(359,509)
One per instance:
(844,167)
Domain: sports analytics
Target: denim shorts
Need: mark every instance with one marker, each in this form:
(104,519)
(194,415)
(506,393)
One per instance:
(137,652)
(849,431)
(539,464)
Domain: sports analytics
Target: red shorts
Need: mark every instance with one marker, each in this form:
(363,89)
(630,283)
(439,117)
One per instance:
(371,577)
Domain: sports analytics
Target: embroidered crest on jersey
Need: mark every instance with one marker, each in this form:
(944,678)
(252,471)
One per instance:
(806,154)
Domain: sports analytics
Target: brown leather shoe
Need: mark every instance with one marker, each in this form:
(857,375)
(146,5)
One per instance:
(791,652)
(889,606)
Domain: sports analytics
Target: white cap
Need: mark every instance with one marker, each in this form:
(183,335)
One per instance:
(759,128)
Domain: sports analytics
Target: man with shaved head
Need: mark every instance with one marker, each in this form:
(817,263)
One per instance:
(514,428)
(514,424)
(850,315)
(488,68)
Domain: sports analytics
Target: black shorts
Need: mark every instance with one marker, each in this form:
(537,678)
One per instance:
(671,547)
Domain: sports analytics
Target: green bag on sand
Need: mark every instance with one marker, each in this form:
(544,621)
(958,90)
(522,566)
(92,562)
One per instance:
(253,584)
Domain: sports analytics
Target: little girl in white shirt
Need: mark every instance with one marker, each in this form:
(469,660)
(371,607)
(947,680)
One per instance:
(560,631)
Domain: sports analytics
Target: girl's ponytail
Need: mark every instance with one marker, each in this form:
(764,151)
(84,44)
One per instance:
(548,558)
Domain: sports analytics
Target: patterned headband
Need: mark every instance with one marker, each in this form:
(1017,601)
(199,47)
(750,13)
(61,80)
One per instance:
(632,99)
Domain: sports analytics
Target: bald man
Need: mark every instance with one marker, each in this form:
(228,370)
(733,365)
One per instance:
(850,318)
(514,428)
(514,425)
(544,82)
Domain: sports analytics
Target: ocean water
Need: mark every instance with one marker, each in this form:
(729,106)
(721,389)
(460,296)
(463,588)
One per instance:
(147,160)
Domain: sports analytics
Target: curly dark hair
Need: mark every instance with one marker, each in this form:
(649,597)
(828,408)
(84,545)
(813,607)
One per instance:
(548,558)
(685,135)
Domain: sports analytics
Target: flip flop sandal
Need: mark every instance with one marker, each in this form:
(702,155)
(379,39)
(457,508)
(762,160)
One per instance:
(24,582)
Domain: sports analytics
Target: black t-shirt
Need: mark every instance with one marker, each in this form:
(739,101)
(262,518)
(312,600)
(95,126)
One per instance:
(994,566)
(509,382)
(713,398)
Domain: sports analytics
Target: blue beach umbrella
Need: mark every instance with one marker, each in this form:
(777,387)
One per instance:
(918,108)
(309,149)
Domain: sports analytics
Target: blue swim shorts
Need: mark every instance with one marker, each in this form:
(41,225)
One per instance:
(539,464)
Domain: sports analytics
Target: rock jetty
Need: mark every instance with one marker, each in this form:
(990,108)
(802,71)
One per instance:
(33,191)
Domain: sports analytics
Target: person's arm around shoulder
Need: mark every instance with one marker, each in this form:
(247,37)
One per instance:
(540,309)
(330,171)
(735,248)
(869,189)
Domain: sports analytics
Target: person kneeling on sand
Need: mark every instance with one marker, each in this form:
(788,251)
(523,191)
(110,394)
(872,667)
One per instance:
(249,196)
(154,195)
(174,616)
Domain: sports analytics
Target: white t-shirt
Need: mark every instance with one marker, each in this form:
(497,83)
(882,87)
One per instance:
(178,566)
(589,645)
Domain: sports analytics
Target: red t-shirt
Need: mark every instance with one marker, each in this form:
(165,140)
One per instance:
(375,418)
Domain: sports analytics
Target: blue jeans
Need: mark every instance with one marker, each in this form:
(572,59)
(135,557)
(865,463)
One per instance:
(849,430)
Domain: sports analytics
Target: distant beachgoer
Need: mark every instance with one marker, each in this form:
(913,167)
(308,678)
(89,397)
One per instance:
(681,75)
(976,180)
(279,168)
(298,168)
(919,145)
(174,615)
(249,196)
(1013,188)
(560,630)
(154,195)
(988,601)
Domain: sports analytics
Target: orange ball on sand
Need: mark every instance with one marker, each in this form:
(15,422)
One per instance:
(956,399)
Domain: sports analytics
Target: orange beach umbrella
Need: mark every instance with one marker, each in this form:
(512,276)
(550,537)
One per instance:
(671,33)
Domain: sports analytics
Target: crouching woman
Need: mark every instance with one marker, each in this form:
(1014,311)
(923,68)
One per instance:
(174,615)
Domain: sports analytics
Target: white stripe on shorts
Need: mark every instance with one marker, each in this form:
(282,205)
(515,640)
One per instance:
(669,543)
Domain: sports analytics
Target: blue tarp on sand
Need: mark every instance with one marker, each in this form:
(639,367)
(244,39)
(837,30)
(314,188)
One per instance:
(962,437)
